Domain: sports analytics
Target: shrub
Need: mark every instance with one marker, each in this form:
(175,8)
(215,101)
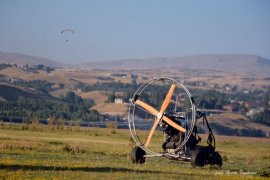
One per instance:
(75,150)
(265,172)
(111,125)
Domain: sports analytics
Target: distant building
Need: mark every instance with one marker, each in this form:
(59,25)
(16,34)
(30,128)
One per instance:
(228,88)
(118,101)
(254,111)
(228,107)
(231,107)
(246,91)
(248,104)
(13,80)
(119,75)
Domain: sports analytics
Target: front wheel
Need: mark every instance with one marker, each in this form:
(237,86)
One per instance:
(137,155)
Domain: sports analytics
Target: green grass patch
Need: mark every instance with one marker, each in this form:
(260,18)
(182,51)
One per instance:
(100,154)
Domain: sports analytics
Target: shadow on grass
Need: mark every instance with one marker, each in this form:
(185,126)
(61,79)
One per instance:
(15,167)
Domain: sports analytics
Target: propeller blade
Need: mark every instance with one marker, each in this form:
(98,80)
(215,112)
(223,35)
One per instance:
(151,132)
(158,115)
(173,124)
(147,107)
(167,99)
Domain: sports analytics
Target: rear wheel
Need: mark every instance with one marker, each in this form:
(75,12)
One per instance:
(216,159)
(198,158)
(137,155)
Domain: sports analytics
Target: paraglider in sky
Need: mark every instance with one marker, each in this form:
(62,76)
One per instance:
(67,33)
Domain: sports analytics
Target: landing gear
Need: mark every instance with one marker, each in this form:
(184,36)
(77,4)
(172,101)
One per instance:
(137,155)
(204,155)
(198,158)
(216,159)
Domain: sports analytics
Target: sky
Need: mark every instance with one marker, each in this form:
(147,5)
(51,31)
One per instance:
(108,30)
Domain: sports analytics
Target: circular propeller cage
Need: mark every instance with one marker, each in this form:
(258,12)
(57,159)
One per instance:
(151,109)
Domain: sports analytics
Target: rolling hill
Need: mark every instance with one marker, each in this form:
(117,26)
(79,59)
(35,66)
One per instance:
(22,59)
(12,93)
(228,63)
(243,64)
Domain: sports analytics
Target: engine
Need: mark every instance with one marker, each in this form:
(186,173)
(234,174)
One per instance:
(174,137)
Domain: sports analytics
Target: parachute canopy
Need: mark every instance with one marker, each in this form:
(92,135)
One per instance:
(66,33)
(67,30)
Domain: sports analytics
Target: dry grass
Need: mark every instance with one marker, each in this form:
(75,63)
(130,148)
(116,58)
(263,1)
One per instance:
(91,76)
(236,121)
(59,92)
(98,96)
(111,108)
(16,73)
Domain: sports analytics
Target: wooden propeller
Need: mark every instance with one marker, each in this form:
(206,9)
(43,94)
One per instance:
(160,114)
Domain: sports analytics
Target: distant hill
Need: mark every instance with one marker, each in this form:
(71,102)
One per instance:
(22,59)
(12,93)
(245,64)
(229,63)
(232,124)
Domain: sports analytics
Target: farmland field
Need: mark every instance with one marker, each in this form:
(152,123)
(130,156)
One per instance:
(42,152)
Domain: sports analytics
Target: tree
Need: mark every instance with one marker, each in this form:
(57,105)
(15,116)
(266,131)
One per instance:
(111,97)
(266,112)
(70,97)
(134,82)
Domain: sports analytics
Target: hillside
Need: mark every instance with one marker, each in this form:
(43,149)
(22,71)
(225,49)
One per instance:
(22,59)
(112,109)
(12,93)
(229,63)
(241,64)
(232,124)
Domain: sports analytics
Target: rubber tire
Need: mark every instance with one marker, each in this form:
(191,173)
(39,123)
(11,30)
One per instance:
(216,159)
(198,158)
(137,155)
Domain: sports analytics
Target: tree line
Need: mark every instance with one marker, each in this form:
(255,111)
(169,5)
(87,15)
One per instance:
(69,108)
(41,85)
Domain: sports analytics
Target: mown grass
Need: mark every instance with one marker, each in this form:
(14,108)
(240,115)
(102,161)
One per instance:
(94,153)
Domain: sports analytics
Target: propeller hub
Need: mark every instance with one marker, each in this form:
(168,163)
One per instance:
(159,116)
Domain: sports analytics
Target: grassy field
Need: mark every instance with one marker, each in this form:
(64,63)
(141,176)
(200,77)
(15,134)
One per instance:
(40,152)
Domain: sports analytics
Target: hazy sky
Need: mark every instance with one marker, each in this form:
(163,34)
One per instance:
(120,29)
